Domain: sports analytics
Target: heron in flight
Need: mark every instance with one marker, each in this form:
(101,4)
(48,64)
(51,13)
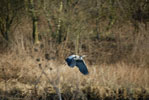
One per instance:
(75,60)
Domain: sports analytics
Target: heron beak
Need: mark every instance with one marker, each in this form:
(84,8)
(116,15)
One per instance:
(84,56)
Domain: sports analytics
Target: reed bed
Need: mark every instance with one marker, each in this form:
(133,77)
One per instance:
(26,78)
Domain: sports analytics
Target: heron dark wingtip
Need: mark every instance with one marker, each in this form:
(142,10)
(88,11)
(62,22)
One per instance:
(86,73)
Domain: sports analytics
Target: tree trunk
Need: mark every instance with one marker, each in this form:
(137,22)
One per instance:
(77,44)
(59,33)
(35,31)
(34,22)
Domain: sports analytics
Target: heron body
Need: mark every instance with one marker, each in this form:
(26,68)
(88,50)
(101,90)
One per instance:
(75,60)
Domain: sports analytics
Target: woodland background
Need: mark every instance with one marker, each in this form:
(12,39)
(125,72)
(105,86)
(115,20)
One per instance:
(110,32)
(105,30)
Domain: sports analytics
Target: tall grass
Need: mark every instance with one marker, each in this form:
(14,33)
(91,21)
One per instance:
(25,77)
(116,44)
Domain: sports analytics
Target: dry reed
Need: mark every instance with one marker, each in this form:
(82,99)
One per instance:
(23,75)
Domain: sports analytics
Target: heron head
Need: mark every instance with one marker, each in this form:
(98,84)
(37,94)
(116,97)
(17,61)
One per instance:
(83,56)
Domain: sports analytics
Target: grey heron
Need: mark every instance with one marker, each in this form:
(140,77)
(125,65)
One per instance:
(75,60)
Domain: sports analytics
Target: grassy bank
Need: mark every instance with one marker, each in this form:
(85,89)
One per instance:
(27,78)
(36,37)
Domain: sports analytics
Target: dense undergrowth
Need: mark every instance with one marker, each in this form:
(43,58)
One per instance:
(25,77)
(36,37)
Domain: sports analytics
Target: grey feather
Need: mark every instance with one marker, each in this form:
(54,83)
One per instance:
(75,60)
(82,67)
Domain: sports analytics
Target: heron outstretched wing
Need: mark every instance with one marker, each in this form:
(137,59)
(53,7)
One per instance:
(82,67)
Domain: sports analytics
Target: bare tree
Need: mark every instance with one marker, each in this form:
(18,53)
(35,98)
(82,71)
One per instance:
(9,13)
(34,21)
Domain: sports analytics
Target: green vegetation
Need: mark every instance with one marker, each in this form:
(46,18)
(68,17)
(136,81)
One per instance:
(36,37)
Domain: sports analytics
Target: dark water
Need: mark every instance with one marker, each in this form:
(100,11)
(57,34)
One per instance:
(17,95)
